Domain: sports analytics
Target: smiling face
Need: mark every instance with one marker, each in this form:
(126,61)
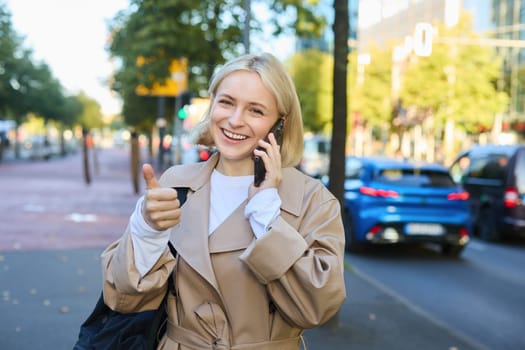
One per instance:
(242,112)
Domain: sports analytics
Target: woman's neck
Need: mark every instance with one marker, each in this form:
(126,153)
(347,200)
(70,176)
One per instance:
(241,167)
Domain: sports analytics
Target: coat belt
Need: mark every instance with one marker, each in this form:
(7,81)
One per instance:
(195,341)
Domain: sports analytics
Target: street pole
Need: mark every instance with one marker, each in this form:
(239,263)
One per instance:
(247,19)
(161,124)
(177,131)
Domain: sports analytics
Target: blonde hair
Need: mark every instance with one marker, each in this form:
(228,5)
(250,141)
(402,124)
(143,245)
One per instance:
(280,84)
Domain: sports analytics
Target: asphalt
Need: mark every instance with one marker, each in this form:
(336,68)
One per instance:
(53,227)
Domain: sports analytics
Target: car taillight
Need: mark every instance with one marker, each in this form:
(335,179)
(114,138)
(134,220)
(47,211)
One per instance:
(373,231)
(511,198)
(463,232)
(204,155)
(374,192)
(458,196)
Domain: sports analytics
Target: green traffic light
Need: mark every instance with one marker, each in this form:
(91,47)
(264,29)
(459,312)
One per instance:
(183,112)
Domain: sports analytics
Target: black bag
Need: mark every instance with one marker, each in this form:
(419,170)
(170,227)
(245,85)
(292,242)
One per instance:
(106,329)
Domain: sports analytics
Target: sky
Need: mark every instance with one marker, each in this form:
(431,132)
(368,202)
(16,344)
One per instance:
(70,36)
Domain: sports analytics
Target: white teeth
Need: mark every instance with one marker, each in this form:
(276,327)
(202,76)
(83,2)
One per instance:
(234,136)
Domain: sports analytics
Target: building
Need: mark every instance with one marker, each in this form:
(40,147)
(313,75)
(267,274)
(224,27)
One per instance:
(383,22)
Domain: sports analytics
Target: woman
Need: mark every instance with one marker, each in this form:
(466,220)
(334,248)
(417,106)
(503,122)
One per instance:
(255,266)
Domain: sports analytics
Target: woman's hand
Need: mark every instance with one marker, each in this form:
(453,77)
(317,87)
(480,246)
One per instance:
(161,207)
(271,157)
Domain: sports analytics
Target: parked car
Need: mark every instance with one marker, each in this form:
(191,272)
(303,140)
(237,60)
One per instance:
(316,156)
(394,201)
(494,176)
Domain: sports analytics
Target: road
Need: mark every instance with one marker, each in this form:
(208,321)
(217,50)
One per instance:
(480,296)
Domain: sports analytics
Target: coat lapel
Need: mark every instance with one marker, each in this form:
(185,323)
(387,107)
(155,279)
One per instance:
(190,237)
(233,234)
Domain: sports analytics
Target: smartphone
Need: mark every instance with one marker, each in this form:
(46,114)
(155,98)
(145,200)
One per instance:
(259,169)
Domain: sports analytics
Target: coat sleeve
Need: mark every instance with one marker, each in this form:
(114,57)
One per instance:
(303,267)
(123,288)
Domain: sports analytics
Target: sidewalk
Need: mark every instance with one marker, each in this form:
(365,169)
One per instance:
(53,228)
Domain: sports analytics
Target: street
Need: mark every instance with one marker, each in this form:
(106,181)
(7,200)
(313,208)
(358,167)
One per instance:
(480,295)
(47,205)
(53,228)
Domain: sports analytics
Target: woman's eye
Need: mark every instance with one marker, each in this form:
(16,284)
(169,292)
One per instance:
(257,111)
(226,102)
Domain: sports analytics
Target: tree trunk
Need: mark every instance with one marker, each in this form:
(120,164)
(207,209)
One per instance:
(337,151)
(135,161)
(85,154)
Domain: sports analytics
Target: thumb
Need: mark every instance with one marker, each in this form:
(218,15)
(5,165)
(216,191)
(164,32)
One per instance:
(149,177)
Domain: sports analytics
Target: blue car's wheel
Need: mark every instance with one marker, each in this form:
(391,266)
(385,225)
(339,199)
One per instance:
(453,251)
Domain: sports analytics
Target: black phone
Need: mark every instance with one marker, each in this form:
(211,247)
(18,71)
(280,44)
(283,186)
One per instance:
(259,170)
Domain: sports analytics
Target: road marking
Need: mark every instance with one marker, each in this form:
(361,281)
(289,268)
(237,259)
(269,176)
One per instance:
(416,309)
(77,217)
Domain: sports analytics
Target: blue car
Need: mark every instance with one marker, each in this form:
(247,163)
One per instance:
(395,201)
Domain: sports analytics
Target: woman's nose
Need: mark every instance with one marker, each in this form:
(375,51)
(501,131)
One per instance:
(237,118)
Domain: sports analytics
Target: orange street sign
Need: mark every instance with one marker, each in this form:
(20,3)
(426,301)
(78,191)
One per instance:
(176,84)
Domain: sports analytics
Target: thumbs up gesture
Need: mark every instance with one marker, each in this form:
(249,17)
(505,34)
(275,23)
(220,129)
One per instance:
(161,207)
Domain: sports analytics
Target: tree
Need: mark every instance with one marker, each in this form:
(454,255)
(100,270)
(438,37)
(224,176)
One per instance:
(206,33)
(8,45)
(375,105)
(29,88)
(311,71)
(91,115)
(455,85)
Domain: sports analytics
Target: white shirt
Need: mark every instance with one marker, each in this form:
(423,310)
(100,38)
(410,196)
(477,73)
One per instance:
(227,193)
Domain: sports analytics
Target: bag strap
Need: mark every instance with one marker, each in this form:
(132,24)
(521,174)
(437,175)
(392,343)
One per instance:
(182,193)
(172,249)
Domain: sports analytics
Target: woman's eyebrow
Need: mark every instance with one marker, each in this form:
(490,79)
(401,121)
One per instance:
(225,95)
(258,104)
(251,103)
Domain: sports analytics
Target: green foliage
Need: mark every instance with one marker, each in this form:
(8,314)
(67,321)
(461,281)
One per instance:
(205,32)
(28,87)
(312,72)
(9,45)
(91,116)
(305,24)
(455,81)
(371,100)
(71,111)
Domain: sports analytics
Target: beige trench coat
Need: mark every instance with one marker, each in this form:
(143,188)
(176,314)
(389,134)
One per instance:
(233,291)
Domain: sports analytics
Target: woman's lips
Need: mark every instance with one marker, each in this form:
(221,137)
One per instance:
(234,136)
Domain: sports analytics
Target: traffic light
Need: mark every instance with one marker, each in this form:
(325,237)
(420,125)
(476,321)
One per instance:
(185,101)
(183,112)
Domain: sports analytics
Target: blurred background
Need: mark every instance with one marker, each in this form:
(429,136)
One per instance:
(414,118)
(425,79)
